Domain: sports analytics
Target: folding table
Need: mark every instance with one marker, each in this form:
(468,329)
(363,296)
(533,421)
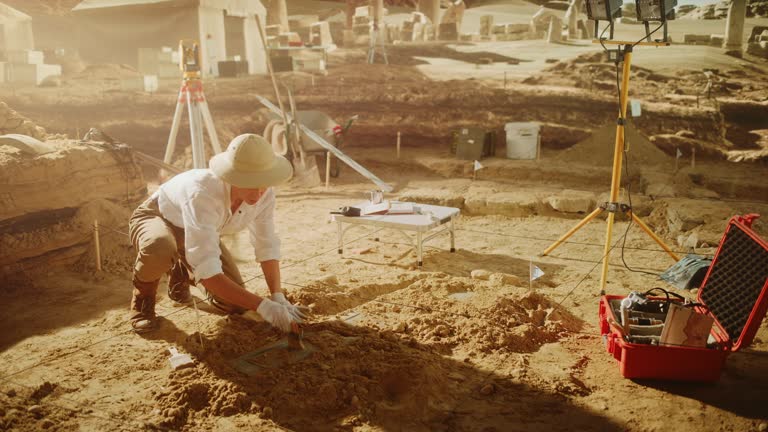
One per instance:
(426,218)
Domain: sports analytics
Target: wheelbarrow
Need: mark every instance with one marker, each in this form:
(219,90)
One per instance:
(319,122)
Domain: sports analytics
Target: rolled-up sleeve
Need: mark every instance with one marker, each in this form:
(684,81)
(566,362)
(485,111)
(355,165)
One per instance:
(201,236)
(264,239)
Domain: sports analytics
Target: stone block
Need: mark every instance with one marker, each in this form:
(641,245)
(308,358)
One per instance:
(29,57)
(694,39)
(32,73)
(486,25)
(320,34)
(499,29)
(518,28)
(448,31)
(716,40)
(572,201)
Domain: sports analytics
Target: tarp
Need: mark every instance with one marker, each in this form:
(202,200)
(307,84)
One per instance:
(16,28)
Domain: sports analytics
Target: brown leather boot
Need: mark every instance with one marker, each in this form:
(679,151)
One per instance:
(143,306)
(178,283)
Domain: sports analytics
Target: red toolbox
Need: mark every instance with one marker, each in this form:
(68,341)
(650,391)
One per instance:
(734,292)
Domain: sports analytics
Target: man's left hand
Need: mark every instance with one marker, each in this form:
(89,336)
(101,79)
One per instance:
(300,312)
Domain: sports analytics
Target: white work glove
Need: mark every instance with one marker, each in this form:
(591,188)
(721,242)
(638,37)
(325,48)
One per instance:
(298,312)
(277,314)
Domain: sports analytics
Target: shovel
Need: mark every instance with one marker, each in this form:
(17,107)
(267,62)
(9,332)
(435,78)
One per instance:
(179,360)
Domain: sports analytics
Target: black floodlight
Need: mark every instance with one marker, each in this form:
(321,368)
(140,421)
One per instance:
(604,10)
(655,10)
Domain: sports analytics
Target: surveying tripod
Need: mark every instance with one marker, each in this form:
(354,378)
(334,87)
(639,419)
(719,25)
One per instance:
(191,94)
(372,45)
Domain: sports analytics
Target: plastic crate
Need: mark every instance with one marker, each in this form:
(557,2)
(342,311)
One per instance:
(735,293)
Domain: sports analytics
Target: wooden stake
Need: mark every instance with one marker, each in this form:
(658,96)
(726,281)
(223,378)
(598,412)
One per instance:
(327,170)
(398,144)
(677,158)
(96,244)
(693,157)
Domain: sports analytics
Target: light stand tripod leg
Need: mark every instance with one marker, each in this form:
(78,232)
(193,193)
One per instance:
(606,251)
(208,122)
(573,230)
(653,235)
(171,146)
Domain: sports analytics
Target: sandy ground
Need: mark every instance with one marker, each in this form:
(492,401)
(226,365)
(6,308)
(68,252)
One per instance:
(391,346)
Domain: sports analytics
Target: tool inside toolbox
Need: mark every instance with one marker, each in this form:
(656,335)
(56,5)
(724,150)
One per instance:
(641,318)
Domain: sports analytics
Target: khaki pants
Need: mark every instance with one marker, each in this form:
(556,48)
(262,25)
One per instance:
(160,244)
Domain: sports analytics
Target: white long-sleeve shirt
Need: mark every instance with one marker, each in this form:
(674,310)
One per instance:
(199,202)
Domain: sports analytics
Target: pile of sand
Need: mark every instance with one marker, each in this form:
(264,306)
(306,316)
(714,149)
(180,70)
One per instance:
(598,149)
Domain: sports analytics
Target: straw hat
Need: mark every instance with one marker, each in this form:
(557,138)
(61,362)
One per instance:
(250,163)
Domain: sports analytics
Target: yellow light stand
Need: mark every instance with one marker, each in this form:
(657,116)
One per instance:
(618,157)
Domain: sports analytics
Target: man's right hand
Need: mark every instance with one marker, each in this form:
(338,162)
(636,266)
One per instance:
(277,314)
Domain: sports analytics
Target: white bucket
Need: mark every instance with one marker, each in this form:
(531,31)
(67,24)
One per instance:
(522,140)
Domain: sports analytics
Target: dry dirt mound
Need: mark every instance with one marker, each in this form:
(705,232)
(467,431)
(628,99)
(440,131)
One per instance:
(599,149)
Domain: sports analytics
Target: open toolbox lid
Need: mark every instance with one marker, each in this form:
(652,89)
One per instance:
(735,288)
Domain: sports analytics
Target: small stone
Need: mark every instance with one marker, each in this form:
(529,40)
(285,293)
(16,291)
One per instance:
(35,409)
(324,366)
(762,427)
(11,393)
(499,279)
(47,423)
(355,401)
(487,390)
(330,280)
(442,331)
(401,327)
(480,274)
(538,317)
(266,412)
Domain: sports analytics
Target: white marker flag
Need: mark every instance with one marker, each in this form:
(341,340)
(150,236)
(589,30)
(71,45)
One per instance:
(478,166)
(536,272)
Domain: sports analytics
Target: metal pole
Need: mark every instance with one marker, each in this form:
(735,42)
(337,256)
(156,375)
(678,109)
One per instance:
(271,70)
(327,169)
(398,144)
(618,152)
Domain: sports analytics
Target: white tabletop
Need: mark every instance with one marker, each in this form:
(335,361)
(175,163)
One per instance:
(430,217)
